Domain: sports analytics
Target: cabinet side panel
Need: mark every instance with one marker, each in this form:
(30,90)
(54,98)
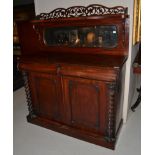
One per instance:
(120,97)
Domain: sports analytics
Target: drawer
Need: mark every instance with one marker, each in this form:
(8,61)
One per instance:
(52,68)
(89,72)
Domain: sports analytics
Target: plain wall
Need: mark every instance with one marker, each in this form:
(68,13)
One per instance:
(49,5)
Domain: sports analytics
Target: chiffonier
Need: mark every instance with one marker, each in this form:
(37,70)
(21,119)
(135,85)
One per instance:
(72,62)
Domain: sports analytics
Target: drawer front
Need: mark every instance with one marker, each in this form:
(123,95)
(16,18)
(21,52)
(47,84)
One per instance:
(96,73)
(36,67)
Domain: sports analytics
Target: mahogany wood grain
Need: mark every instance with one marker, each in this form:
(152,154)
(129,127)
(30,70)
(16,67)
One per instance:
(35,30)
(46,95)
(86,103)
(75,91)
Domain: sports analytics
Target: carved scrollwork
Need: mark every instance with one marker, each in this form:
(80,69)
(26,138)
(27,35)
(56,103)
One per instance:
(110,137)
(82,11)
(28,94)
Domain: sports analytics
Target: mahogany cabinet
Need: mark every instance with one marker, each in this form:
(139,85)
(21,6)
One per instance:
(72,68)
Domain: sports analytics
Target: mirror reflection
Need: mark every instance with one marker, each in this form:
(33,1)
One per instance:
(96,36)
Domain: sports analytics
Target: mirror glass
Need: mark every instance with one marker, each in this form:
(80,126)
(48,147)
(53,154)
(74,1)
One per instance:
(96,36)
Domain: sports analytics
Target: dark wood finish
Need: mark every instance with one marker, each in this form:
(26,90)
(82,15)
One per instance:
(85,104)
(37,45)
(75,91)
(20,13)
(82,11)
(46,95)
(17,76)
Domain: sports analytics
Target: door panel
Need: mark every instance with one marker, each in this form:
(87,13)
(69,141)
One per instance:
(46,95)
(82,97)
(85,101)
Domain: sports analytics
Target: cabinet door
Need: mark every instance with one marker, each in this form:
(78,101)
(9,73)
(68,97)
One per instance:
(85,102)
(46,95)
